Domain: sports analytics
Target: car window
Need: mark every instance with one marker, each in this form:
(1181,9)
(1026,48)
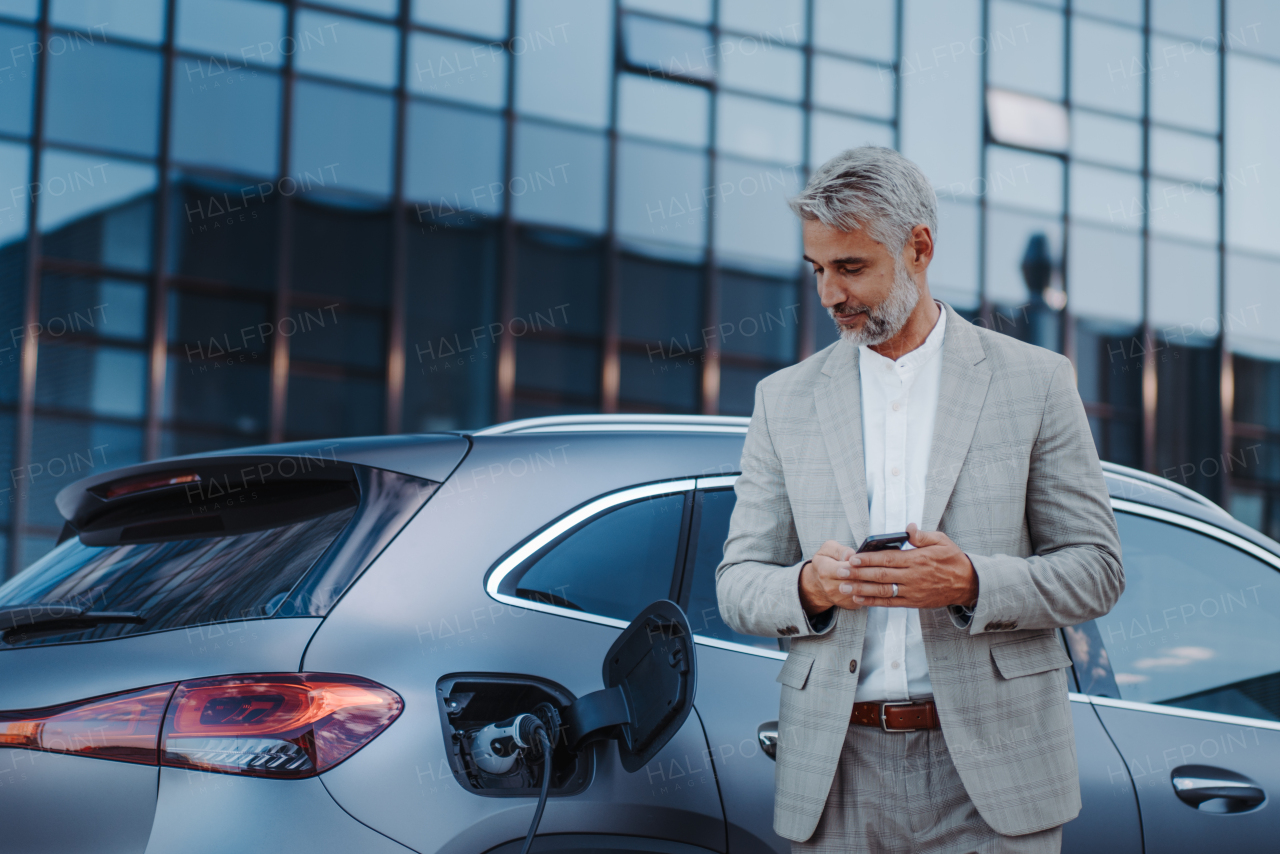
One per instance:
(614,564)
(703,610)
(1196,625)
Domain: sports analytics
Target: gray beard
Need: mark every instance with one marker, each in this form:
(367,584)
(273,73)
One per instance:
(887,319)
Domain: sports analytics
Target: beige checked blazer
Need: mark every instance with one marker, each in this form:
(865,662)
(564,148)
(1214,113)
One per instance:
(1014,480)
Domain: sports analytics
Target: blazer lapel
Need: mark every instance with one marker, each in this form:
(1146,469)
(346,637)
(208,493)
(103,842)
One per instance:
(839,405)
(961,394)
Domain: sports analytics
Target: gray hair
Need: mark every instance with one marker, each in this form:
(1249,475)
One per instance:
(873,188)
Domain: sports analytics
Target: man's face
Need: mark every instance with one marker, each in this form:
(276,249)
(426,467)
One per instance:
(866,289)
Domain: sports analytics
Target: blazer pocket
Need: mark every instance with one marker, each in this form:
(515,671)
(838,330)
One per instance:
(795,672)
(1025,656)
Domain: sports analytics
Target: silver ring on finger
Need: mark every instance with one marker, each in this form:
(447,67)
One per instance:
(895,590)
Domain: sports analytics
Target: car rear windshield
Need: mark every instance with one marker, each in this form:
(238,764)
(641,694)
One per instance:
(293,555)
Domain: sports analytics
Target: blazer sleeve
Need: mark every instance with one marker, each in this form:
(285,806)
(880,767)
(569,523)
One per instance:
(757,582)
(1075,573)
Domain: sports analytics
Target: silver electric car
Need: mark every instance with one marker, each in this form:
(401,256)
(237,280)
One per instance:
(332,646)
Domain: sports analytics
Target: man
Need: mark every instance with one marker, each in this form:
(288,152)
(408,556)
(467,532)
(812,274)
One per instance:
(924,701)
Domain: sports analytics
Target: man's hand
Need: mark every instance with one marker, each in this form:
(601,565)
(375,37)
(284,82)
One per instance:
(822,577)
(933,574)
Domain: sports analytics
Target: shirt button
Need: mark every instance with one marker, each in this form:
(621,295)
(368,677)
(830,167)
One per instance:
(895,471)
(889,367)
(853,666)
(895,665)
(896,406)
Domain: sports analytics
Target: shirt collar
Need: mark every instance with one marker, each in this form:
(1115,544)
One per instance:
(917,357)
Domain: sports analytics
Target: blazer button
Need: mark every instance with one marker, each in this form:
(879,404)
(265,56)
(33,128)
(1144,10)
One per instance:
(853,666)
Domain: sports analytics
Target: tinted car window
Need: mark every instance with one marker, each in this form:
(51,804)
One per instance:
(1196,625)
(613,565)
(703,610)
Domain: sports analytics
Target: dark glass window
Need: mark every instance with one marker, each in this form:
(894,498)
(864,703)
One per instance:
(230,121)
(1109,374)
(63,450)
(738,387)
(662,346)
(322,406)
(85,307)
(1188,417)
(674,49)
(104,96)
(234,31)
(759,317)
(98,380)
(96,210)
(342,252)
(453,163)
(704,610)
(612,566)
(135,20)
(1186,631)
(224,231)
(345,133)
(17,79)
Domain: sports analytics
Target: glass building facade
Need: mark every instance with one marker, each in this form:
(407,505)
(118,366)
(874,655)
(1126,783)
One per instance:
(227,222)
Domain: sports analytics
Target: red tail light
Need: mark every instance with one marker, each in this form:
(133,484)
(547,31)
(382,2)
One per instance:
(264,725)
(276,725)
(119,726)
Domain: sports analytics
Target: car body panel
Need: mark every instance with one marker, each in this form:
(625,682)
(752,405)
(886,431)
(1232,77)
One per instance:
(1109,817)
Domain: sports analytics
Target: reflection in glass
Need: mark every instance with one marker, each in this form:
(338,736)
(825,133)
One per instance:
(1184,210)
(830,134)
(764,16)
(738,387)
(1184,84)
(385,8)
(1107,197)
(1253,98)
(1109,357)
(662,348)
(697,11)
(322,406)
(867,29)
(1022,120)
(663,110)
(1025,53)
(953,273)
(24,10)
(1250,316)
(660,193)
(1025,180)
(104,443)
(1188,156)
(770,69)
(759,317)
(341,253)
(16,95)
(93,307)
(675,50)
(753,222)
(704,608)
(1196,20)
(453,162)
(1124,11)
(560,176)
(346,48)
(1108,67)
(14,171)
(107,381)
(104,97)
(1255,17)
(761,130)
(229,401)
(854,87)
(95,209)
(111,20)
(348,131)
(1104,274)
(457,70)
(224,230)
(338,335)
(1183,290)
(486,18)
(563,77)
(235,31)
(235,126)
(1008,236)
(1106,140)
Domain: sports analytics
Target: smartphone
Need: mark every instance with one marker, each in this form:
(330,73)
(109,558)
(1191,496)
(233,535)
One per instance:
(880,542)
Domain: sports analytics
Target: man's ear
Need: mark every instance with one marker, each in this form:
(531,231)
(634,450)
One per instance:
(919,248)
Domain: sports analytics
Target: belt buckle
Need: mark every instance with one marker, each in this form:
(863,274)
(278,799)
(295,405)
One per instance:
(884,723)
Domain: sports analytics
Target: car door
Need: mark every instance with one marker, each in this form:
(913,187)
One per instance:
(1186,681)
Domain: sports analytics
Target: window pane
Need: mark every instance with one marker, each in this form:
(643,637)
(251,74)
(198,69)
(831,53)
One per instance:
(771,17)
(759,317)
(18,76)
(560,177)
(1109,358)
(107,97)
(348,130)
(1184,291)
(830,134)
(1025,180)
(1104,274)
(232,123)
(1185,155)
(953,273)
(868,28)
(101,308)
(385,8)
(1107,140)
(1196,20)
(660,193)
(226,230)
(1184,84)
(14,171)
(1026,49)
(96,210)
(704,605)
(453,161)
(336,334)
(561,276)
(346,49)
(752,222)
(1026,121)
(486,18)
(1251,300)
(241,30)
(759,129)
(1009,236)
(457,70)
(663,110)
(569,78)
(767,70)
(83,445)
(738,388)
(698,11)
(1256,23)
(1183,210)
(1108,69)
(1106,197)
(342,253)
(855,87)
(1124,11)
(322,406)
(614,565)
(98,380)
(673,49)
(25,10)
(1210,601)
(1253,101)
(660,317)
(135,20)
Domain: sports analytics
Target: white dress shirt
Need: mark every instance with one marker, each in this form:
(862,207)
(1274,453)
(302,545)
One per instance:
(899,404)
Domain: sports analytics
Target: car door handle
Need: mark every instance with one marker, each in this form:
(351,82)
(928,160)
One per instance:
(768,735)
(1197,790)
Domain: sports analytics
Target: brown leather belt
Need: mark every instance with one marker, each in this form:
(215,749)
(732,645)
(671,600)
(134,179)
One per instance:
(897,715)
